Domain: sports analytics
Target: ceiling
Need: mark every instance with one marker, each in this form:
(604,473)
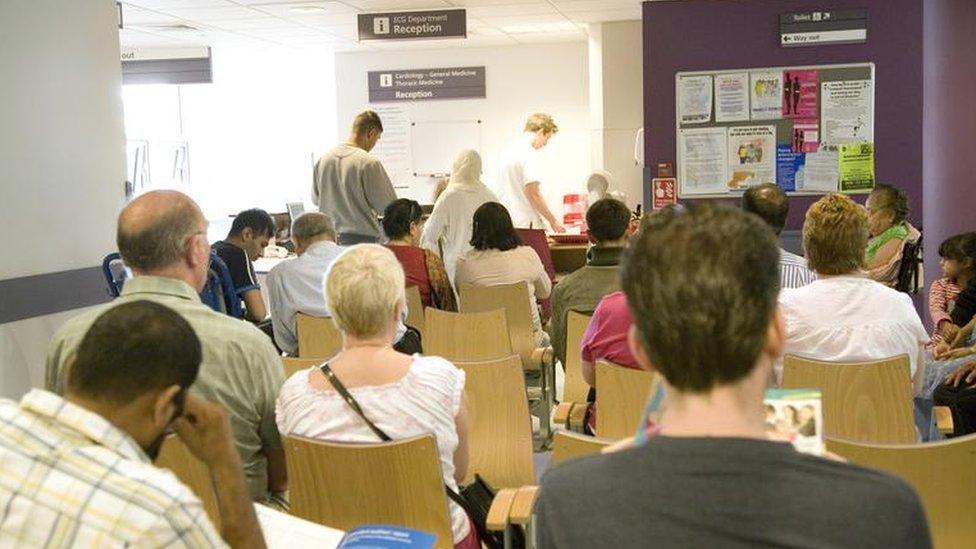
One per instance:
(332,24)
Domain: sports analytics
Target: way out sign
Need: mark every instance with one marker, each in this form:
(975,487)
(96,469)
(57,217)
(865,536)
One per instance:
(413,25)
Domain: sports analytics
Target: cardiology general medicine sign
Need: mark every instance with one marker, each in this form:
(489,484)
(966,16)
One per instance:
(408,25)
(427,84)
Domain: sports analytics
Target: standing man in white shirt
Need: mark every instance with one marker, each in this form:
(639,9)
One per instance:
(519,180)
(351,186)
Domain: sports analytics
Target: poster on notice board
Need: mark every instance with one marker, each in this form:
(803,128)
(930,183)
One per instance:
(702,165)
(765,88)
(732,97)
(695,99)
(847,115)
(855,166)
(800,87)
(751,156)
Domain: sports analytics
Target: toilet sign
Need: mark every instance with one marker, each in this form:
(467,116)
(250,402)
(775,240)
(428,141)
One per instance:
(413,25)
(663,192)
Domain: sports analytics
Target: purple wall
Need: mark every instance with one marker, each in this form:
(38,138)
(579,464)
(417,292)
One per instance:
(734,34)
(950,124)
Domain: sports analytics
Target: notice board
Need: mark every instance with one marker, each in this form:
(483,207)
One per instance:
(435,144)
(808,129)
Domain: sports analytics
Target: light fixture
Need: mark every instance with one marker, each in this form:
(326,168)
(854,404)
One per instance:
(306,9)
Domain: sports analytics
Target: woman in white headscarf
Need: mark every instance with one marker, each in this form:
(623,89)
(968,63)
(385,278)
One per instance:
(449,225)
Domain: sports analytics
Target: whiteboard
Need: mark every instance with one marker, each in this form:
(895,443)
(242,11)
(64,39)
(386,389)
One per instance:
(435,144)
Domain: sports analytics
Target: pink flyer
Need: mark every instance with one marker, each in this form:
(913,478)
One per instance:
(800,93)
(806,135)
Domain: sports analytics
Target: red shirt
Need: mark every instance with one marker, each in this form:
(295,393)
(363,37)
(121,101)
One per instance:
(606,336)
(415,268)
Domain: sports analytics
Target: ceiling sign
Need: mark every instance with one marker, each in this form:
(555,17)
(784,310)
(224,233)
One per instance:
(413,25)
(818,28)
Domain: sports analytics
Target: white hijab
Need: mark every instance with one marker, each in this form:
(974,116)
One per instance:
(598,185)
(466,174)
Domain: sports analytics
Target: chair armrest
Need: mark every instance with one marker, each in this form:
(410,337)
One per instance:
(943,419)
(542,355)
(577,417)
(500,509)
(523,505)
(561,413)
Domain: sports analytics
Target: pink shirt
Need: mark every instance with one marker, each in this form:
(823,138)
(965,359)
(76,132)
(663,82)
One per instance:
(606,336)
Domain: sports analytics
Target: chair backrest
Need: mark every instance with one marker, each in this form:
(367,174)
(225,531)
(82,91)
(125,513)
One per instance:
(575,388)
(467,336)
(621,395)
(293,364)
(115,274)
(941,472)
(538,241)
(415,310)
(514,300)
(499,428)
(347,485)
(220,278)
(568,445)
(909,269)
(318,337)
(863,401)
(175,456)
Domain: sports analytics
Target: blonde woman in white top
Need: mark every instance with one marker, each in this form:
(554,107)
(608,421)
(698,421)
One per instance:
(449,225)
(403,395)
(499,258)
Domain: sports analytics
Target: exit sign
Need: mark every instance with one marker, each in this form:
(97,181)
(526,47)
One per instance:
(817,28)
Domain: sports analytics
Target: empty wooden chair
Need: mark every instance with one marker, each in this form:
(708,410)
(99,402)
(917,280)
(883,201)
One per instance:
(621,397)
(941,472)
(499,428)
(567,445)
(292,364)
(415,310)
(175,456)
(575,388)
(863,401)
(466,336)
(317,337)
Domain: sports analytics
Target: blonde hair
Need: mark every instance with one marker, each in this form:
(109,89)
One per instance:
(835,235)
(541,121)
(363,287)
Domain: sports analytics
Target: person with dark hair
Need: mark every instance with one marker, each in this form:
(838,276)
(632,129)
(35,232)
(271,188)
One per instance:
(403,224)
(80,465)
(702,283)
(249,235)
(499,257)
(162,238)
(957,257)
(351,186)
(772,205)
(888,223)
(608,220)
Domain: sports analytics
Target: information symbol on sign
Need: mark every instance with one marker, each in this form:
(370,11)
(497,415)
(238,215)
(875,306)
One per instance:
(386,80)
(381,25)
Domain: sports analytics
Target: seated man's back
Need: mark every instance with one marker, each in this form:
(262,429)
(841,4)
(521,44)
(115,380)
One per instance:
(725,492)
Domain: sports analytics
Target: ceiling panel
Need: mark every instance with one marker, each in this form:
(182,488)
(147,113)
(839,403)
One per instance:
(214,14)
(397,5)
(508,10)
(178,4)
(606,15)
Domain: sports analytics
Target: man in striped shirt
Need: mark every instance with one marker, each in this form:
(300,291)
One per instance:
(771,204)
(76,471)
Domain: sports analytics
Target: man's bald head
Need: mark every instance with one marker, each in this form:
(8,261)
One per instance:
(153,229)
(769,202)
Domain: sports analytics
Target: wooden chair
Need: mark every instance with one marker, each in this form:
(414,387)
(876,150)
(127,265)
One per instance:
(941,472)
(415,310)
(575,388)
(399,482)
(863,401)
(175,456)
(567,445)
(499,428)
(621,396)
(467,336)
(292,364)
(317,337)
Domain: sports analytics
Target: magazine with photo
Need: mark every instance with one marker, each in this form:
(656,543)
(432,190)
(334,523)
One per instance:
(796,416)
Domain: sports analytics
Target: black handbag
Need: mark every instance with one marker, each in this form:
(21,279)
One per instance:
(475,499)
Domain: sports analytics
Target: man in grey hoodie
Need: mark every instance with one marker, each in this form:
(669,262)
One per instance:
(351,186)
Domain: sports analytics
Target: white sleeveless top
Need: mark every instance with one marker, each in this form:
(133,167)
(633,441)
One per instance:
(425,400)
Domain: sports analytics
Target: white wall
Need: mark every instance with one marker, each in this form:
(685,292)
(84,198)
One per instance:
(253,133)
(520,80)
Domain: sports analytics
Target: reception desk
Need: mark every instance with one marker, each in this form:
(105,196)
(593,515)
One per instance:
(567,258)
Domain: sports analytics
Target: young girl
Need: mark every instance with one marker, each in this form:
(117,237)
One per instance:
(956,257)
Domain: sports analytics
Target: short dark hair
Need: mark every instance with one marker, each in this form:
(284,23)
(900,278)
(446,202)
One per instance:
(951,248)
(894,199)
(132,349)
(769,202)
(492,228)
(366,121)
(702,282)
(607,219)
(399,215)
(255,219)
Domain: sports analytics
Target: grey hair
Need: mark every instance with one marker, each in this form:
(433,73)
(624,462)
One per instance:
(312,224)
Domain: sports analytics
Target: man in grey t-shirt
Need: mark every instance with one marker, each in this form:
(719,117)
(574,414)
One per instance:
(702,283)
(351,186)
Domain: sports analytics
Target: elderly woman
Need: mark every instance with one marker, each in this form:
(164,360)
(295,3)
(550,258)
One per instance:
(403,224)
(403,395)
(500,258)
(844,316)
(448,229)
(887,212)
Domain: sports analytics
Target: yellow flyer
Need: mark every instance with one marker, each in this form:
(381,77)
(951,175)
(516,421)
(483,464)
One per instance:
(855,164)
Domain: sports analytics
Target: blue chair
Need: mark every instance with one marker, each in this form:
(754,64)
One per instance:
(115,273)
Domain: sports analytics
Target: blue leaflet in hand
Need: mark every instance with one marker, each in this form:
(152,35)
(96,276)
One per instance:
(385,536)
